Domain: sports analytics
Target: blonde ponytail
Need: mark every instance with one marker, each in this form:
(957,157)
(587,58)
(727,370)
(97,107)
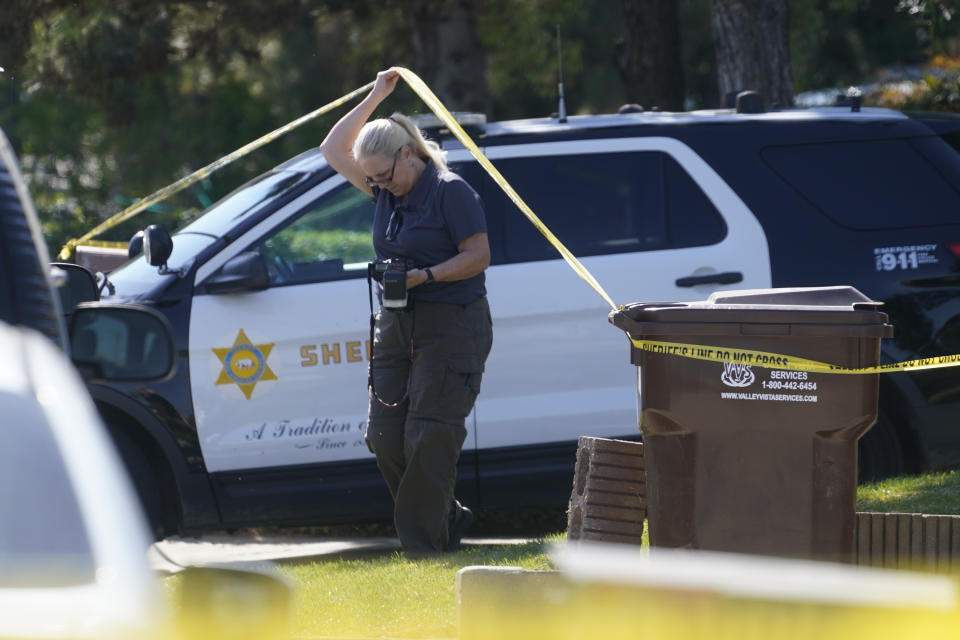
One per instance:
(385,136)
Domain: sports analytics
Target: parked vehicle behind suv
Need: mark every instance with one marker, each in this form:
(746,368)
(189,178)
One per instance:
(25,296)
(264,421)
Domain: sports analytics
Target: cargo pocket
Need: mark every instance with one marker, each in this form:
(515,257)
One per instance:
(461,385)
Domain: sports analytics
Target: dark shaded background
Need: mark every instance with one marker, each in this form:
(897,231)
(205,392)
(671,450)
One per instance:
(108,100)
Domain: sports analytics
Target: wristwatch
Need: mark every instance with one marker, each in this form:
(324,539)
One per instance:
(429,274)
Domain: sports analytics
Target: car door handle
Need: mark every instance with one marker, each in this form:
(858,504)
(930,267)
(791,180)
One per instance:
(727,277)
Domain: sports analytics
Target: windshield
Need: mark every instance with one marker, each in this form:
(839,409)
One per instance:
(225,214)
(136,275)
(43,539)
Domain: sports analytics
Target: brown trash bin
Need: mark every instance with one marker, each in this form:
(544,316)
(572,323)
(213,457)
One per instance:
(750,459)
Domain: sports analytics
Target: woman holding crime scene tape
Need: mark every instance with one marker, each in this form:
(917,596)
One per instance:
(428,358)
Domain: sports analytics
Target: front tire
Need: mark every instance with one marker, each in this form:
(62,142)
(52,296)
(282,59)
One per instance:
(145,481)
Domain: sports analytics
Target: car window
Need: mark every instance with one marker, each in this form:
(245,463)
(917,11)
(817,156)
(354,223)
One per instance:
(120,346)
(43,539)
(604,203)
(330,239)
(952,139)
(872,184)
(942,156)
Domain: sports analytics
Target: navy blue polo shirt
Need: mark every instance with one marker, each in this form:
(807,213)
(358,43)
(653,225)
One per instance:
(439,213)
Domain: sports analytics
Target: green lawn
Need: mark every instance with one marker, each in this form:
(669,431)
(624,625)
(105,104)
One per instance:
(390,595)
(933,493)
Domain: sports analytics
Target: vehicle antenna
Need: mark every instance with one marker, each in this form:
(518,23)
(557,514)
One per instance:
(562,111)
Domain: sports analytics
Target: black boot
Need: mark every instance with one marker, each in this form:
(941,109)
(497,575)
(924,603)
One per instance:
(460,520)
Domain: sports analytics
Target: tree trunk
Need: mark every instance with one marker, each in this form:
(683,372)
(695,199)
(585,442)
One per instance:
(752,39)
(649,56)
(448,53)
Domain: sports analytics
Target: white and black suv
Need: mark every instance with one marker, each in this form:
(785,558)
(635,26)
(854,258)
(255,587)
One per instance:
(266,292)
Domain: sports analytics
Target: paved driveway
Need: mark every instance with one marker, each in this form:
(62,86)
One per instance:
(174,554)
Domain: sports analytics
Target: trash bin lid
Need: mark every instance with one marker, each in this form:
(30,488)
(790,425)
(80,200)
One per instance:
(833,311)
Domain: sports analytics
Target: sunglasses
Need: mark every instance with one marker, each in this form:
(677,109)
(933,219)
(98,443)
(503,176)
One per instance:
(377,181)
(393,224)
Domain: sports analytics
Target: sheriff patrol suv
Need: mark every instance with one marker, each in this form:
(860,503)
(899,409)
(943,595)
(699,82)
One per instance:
(264,420)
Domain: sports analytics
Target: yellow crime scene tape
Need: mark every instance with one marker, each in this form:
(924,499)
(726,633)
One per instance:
(694,351)
(781,361)
(197,176)
(425,94)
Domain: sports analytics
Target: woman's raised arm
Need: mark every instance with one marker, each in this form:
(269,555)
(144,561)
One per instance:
(337,147)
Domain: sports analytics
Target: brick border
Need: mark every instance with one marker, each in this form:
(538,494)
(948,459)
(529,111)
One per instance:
(908,541)
(608,501)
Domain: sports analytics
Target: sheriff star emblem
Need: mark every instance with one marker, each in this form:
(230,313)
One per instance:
(244,364)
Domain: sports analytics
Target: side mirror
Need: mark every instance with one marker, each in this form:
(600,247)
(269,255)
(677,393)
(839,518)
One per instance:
(121,343)
(157,246)
(74,285)
(135,247)
(243,272)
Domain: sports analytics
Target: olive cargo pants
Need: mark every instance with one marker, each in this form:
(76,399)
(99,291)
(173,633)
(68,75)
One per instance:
(417,443)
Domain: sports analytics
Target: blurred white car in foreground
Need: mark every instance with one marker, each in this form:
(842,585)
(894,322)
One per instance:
(73,539)
(73,536)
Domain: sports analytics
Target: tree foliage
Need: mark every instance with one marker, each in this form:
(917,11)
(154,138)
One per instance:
(109,100)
